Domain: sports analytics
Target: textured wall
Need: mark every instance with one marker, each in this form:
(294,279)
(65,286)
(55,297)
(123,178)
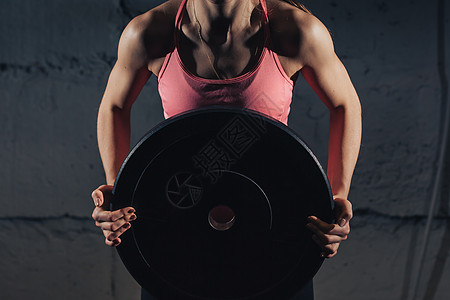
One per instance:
(55,57)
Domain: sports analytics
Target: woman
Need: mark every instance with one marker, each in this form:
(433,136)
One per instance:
(229,52)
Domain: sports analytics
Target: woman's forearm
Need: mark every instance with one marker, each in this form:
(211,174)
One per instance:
(113,134)
(343,147)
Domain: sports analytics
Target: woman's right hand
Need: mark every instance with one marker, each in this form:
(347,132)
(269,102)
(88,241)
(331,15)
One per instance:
(112,223)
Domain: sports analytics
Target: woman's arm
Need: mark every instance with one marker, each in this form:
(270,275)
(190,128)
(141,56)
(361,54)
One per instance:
(131,71)
(328,77)
(126,81)
(325,73)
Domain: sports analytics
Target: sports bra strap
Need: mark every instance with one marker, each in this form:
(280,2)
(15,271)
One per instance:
(264,8)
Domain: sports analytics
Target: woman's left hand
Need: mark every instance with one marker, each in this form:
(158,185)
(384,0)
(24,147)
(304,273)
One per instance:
(329,236)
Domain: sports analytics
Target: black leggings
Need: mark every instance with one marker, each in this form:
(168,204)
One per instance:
(307,293)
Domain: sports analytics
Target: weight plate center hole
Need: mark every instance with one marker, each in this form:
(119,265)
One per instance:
(221,217)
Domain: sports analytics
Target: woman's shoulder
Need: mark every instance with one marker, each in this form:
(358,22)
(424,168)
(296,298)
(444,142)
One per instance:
(155,27)
(157,20)
(292,28)
(287,17)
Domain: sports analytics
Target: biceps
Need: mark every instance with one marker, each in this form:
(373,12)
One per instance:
(331,83)
(124,85)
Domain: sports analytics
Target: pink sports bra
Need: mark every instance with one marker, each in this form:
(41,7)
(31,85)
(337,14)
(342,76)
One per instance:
(266,88)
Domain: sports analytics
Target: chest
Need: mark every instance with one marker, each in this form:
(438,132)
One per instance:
(221,57)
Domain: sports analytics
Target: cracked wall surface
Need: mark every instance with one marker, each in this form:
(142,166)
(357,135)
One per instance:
(54,62)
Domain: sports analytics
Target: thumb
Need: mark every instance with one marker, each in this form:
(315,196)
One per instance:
(102,194)
(343,211)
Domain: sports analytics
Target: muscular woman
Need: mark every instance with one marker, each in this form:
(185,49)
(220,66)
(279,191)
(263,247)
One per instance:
(208,52)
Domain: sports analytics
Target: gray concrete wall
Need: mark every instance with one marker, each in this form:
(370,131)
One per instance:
(55,57)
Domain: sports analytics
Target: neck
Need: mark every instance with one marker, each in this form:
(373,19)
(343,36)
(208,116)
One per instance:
(222,8)
(219,16)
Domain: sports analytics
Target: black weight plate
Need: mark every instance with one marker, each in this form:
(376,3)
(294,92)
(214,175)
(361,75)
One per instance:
(221,196)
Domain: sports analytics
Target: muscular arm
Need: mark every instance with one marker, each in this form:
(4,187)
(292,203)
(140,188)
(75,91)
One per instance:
(126,80)
(142,48)
(328,77)
(316,60)
(304,45)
